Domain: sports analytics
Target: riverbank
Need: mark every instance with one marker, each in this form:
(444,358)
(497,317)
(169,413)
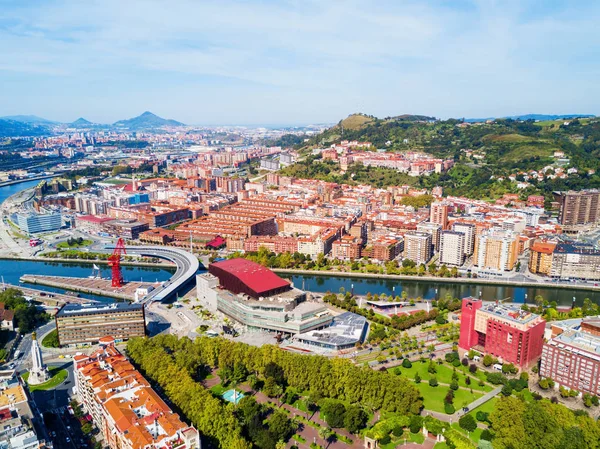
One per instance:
(162,264)
(400,277)
(19,181)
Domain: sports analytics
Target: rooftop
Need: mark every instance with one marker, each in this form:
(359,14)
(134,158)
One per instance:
(85,309)
(510,313)
(345,329)
(258,278)
(576,248)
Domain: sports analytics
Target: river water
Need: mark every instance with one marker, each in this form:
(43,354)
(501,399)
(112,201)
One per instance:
(12,270)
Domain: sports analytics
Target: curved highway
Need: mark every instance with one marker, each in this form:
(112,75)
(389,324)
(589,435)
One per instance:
(187,267)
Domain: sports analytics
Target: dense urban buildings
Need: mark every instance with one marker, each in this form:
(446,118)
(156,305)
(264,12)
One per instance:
(540,257)
(20,427)
(85,324)
(128,412)
(507,332)
(571,357)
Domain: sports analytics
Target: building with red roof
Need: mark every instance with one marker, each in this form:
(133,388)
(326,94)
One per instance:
(244,276)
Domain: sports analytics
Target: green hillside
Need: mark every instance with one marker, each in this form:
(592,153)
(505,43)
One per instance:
(504,147)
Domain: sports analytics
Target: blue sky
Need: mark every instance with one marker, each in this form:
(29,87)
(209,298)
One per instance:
(297,62)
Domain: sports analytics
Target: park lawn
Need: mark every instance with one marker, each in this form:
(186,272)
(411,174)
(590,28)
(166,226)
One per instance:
(417,438)
(75,245)
(441,446)
(218,390)
(58,377)
(480,375)
(488,407)
(443,374)
(433,397)
(474,384)
(300,405)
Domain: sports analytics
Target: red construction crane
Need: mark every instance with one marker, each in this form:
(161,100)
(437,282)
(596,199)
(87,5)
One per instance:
(114,261)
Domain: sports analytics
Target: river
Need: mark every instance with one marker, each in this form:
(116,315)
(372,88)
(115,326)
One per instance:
(13,270)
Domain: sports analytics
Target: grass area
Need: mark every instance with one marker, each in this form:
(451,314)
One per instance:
(300,405)
(488,407)
(441,446)
(508,138)
(58,377)
(51,339)
(74,244)
(520,152)
(298,438)
(116,181)
(444,375)
(356,121)
(433,397)
(218,390)
(209,376)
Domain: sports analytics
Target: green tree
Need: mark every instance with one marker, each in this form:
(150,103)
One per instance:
(468,423)
(355,418)
(334,412)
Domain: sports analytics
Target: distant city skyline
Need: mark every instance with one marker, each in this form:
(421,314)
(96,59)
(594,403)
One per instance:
(308,62)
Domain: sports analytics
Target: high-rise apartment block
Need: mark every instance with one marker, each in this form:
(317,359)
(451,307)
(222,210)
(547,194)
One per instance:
(435,230)
(468,230)
(452,248)
(496,249)
(507,332)
(439,213)
(418,247)
(578,208)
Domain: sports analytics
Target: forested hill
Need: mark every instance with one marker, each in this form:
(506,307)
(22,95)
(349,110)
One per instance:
(500,148)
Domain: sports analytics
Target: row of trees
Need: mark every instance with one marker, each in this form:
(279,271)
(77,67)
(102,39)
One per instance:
(518,424)
(328,378)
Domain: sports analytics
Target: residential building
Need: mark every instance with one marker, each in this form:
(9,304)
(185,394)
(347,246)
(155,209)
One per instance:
(468,230)
(540,257)
(578,208)
(418,247)
(439,213)
(435,230)
(347,247)
(33,223)
(7,318)
(571,358)
(575,261)
(20,427)
(496,249)
(505,331)
(87,324)
(128,412)
(452,250)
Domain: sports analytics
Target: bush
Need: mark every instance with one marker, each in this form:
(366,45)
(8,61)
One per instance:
(51,340)
(497,379)
(467,380)
(433,382)
(417,378)
(449,409)
(487,435)
(449,399)
(451,357)
(397,431)
(454,385)
(489,360)
(431,369)
(507,390)
(468,423)
(543,384)
(416,424)
(456,363)
(406,363)
(472,368)
(465,361)
(482,416)
(397,371)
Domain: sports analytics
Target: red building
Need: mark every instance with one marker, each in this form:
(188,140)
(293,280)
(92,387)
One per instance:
(245,276)
(507,332)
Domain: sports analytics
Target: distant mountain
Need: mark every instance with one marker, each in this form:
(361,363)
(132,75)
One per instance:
(13,128)
(30,119)
(80,123)
(147,120)
(541,117)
